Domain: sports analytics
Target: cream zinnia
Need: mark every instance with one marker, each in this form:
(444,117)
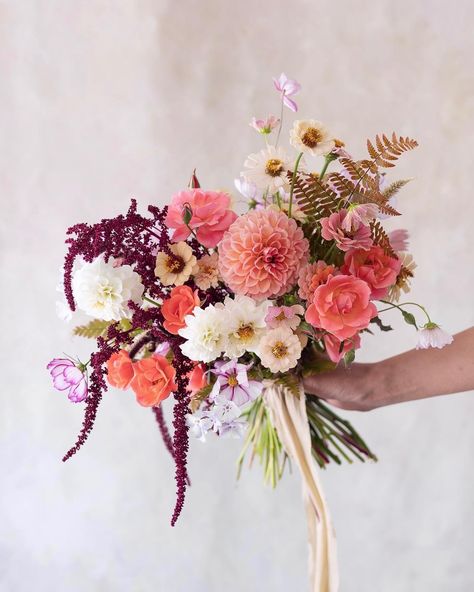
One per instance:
(175,268)
(280,350)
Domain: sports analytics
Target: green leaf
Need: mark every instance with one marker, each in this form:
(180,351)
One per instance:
(349,357)
(96,328)
(409,318)
(378,321)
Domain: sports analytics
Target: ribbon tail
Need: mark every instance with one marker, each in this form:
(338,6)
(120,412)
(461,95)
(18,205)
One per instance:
(288,413)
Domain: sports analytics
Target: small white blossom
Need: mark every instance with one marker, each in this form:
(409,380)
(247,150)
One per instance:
(245,324)
(433,336)
(279,350)
(103,290)
(206,334)
(199,424)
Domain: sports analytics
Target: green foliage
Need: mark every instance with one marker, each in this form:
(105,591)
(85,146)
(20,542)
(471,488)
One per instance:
(409,318)
(93,329)
(378,321)
(349,357)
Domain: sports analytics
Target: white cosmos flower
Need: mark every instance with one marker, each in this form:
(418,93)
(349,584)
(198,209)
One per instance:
(311,136)
(279,350)
(268,169)
(433,336)
(245,321)
(102,291)
(206,334)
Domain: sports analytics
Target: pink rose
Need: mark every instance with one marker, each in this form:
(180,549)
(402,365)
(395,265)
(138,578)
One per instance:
(375,267)
(333,346)
(341,306)
(334,227)
(181,302)
(209,213)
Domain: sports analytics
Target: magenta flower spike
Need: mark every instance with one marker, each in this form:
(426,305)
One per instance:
(67,376)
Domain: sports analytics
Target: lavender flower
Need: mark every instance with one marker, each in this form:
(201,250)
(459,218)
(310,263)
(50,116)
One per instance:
(287,88)
(233,384)
(67,376)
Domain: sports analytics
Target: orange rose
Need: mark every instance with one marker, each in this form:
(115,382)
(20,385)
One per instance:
(197,379)
(181,302)
(120,369)
(153,381)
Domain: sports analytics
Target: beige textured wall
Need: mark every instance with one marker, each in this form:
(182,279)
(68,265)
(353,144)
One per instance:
(101,100)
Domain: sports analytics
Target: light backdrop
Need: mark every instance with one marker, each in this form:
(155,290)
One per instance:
(104,100)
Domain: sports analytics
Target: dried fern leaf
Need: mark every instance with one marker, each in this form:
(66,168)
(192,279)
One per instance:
(96,328)
(394,188)
(314,197)
(290,382)
(388,150)
(380,237)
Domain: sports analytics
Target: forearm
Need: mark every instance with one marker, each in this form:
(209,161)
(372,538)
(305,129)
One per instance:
(419,374)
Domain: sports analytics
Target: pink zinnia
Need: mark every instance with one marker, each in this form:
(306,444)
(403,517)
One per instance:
(313,275)
(375,267)
(333,228)
(209,215)
(261,254)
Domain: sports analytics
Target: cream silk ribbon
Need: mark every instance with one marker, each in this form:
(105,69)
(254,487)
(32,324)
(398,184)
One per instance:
(288,414)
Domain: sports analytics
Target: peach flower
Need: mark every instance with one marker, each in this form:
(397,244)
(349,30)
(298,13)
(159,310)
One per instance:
(181,302)
(333,228)
(313,275)
(342,306)
(333,346)
(261,254)
(206,272)
(375,267)
(209,211)
(153,381)
(120,369)
(197,379)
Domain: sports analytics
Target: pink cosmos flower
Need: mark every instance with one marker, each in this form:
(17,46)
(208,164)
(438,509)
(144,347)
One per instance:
(68,377)
(399,239)
(313,275)
(342,306)
(433,336)
(265,126)
(359,237)
(333,346)
(284,316)
(359,214)
(261,254)
(210,213)
(287,88)
(375,267)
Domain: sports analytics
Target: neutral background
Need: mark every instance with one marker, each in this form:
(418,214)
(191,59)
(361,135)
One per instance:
(104,100)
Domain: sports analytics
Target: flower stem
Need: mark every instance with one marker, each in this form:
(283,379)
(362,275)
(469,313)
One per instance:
(399,306)
(327,159)
(281,121)
(293,179)
(151,301)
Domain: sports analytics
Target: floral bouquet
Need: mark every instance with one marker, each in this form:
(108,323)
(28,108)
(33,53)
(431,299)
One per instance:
(226,312)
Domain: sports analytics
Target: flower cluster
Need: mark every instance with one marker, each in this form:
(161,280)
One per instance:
(198,302)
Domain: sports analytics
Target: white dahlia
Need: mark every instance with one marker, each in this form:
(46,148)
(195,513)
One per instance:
(205,333)
(103,290)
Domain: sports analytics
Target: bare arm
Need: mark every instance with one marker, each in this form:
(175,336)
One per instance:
(416,374)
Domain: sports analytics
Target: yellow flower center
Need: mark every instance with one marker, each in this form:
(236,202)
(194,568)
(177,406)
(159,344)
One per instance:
(245,332)
(279,350)
(274,167)
(311,137)
(232,380)
(280,317)
(175,264)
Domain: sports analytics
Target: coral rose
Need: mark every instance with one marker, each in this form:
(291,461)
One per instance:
(153,380)
(210,213)
(341,306)
(333,346)
(181,302)
(375,267)
(120,369)
(197,379)
(261,254)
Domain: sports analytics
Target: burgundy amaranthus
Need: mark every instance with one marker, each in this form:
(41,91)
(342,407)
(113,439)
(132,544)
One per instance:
(134,240)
